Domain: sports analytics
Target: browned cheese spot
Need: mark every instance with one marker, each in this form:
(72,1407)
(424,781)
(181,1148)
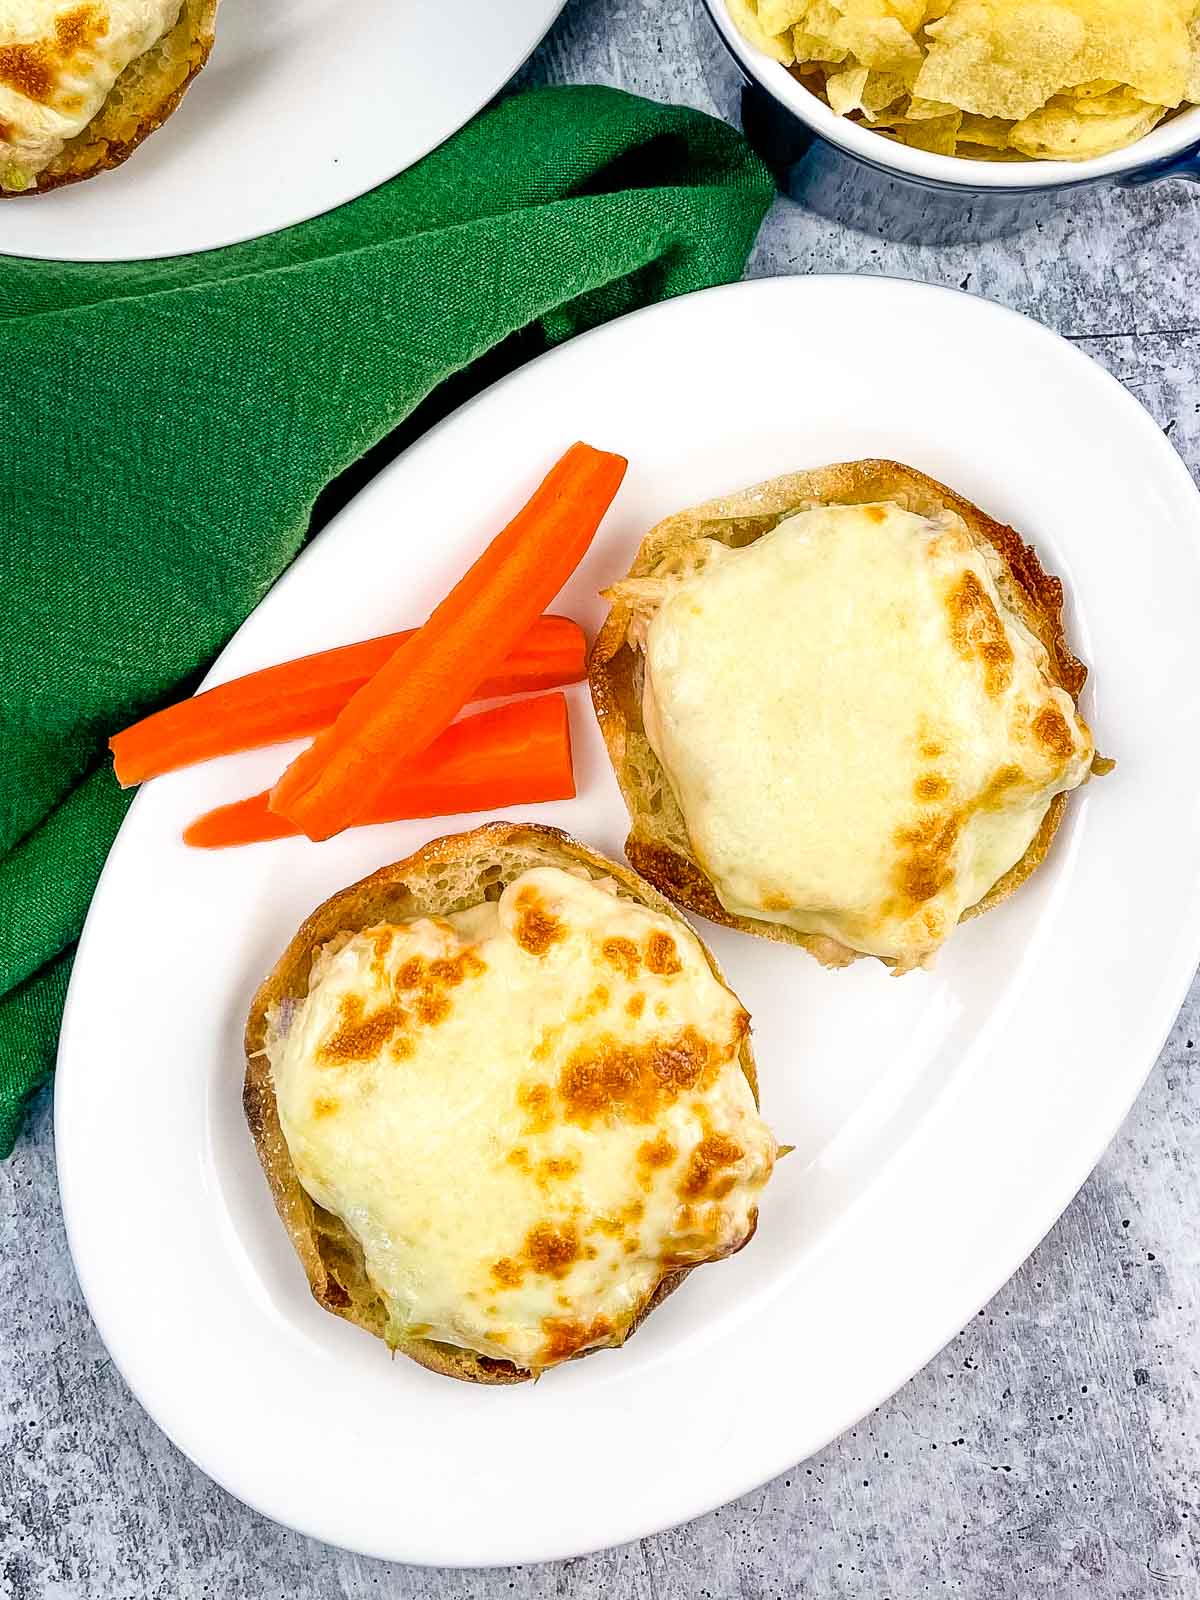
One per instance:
(544,1048)
(875,513)
(773,900)
(565,1336)
(632,1245)
(535,1100)
(977,632)
(1050,728)
(31,68)
(550,1169)
(536,928)
(554,1169)
(28,68)
(552,1250)
(592,1006)
(706,1173)
(508,1272)
(924,868)
(662,955)
(432,1007)
(622,954)
(381,943)
(361,1038)
(324,1106)
(79,29)
(453,970)
(998,787)
(657,1152)
(632,1081)
(432,979)
(636,1004)
(497,1336)
(931,787)
(616,1225)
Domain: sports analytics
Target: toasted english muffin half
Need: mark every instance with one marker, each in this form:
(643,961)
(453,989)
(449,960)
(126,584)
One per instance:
(659,845)
(55,65)
(447,878)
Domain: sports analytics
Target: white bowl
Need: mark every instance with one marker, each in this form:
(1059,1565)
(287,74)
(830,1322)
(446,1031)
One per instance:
(1179,134)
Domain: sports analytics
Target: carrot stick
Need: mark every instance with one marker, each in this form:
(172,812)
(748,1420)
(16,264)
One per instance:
(303,696)
(518,754)
(399,713)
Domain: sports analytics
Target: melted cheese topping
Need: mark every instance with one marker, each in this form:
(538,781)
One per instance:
(526,1113)
(58,61)
(862,737)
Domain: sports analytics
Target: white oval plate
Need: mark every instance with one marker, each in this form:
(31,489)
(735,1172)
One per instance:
(942,1120)
(304,104)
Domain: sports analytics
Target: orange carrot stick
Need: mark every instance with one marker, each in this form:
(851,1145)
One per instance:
(347,769)
(518,754)
(303,696)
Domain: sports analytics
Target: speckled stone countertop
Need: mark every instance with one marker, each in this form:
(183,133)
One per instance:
(1053,1449)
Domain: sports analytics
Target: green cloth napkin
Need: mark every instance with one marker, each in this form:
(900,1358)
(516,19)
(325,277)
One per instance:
(172,425)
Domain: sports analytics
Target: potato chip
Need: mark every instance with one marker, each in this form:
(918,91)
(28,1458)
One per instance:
(879,42)
(883,89)
(1115,103)
(1098,86)
(845,90)
(822,18)
(910,14)
(813,47)
(938,135)
(777,16)
(1004,59)
(979,152)
(991,132)
(1191,89)
(1060,133)
(1007,80)
(745,20)
(893,117)
(999,66)
(922,110)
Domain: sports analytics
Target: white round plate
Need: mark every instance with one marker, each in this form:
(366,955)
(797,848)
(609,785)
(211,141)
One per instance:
(942,1120)
(304,104)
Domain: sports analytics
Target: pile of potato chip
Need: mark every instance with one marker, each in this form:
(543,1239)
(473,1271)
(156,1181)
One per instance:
(999,80)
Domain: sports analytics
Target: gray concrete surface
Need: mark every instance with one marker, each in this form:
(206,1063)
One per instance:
(1050,1450)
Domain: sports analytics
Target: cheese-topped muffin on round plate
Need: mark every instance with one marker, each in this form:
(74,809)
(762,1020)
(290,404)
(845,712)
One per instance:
(841,709)
(82,82)
(505,1102)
